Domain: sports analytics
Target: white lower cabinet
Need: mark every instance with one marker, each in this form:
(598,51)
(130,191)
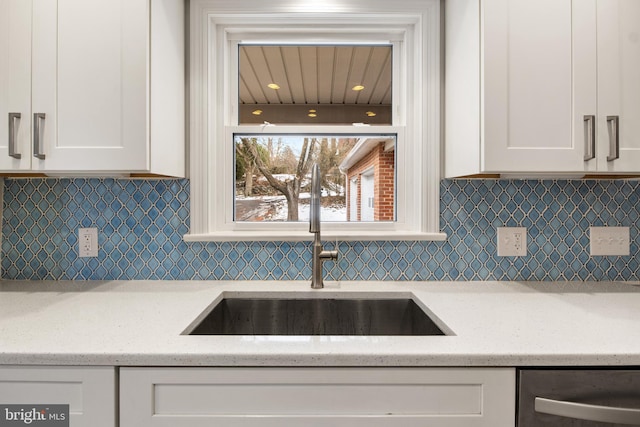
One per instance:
(281,397)
(90,392)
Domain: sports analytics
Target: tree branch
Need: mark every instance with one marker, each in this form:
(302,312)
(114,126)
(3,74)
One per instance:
(250,145)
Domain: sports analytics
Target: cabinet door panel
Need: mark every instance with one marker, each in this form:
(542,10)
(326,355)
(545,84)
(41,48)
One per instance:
(15,81)
(618,84)
(528,99)
(91,84)
(585,81)
(43,73)
(89,74)
(353,397)
(90,392)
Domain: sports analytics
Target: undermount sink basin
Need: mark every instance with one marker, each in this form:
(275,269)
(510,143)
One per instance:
(315,316)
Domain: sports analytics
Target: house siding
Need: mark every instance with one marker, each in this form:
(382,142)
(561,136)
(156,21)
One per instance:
(383,164)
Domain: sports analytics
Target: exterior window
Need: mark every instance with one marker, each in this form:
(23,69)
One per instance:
(272,176)
(278,87)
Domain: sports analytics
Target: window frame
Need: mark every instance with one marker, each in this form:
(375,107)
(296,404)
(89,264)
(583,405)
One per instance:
(217,25)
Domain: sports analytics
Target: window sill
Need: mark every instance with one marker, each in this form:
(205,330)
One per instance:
(297,236)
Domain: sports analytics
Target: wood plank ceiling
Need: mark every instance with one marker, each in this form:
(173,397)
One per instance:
(319,75)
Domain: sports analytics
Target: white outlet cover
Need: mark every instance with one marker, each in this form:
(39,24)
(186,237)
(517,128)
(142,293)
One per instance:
(512,241)
(87,242)
(609,241)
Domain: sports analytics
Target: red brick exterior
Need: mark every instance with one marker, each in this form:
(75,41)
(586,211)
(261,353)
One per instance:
(383,163)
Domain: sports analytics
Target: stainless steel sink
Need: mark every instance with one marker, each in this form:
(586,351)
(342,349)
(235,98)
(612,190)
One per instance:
(315,316)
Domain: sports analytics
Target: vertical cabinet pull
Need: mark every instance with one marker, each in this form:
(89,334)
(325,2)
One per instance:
(37,135)
(589,137)
(13,118)
(613,125)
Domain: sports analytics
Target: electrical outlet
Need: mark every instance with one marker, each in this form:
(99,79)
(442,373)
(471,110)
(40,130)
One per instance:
(87,242)
(512,241)
(604,241)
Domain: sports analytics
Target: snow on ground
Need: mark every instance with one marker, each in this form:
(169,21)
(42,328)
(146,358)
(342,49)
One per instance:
(327,213)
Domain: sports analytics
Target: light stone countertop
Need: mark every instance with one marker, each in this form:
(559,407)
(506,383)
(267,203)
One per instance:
(139,323)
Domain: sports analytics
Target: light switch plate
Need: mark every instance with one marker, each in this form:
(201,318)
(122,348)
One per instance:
(609,241)
(512,241)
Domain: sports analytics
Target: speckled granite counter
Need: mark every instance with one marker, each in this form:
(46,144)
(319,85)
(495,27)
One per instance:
(140,323)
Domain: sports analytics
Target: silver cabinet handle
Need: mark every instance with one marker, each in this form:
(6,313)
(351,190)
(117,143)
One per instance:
(13,117)
(37,136)
(582,411)
(613,124)
(589,137)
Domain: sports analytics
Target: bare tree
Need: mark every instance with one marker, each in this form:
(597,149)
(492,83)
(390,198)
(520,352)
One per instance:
(290,188)
(332,153)
(247,159)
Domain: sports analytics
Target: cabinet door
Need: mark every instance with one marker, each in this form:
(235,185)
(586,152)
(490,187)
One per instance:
(619,83)
(585,83)
(319,397)
(90,82)
(527,82)
(90,392)
(15,84)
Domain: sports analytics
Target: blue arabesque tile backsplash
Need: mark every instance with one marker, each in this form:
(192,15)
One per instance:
(141,224)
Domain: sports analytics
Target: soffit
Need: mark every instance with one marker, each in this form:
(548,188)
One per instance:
(315,75)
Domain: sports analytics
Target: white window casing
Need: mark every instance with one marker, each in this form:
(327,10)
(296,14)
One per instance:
(412,27)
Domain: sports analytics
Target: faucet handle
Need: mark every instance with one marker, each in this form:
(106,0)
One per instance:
(330,255)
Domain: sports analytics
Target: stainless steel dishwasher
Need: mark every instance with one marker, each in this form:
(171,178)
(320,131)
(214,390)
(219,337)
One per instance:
(578,397)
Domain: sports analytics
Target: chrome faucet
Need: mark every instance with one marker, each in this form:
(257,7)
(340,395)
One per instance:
(319,255)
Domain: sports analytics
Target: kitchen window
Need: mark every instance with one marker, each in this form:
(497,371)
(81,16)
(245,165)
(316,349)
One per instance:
(260,115)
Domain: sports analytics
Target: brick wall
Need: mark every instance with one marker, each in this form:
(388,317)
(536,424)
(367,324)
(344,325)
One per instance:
(383,163)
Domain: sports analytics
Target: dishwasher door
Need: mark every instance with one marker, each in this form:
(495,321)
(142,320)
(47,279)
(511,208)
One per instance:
(578,398)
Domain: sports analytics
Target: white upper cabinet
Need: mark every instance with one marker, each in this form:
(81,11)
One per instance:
(98,86)
(532,87)
(15,84)
(618,23)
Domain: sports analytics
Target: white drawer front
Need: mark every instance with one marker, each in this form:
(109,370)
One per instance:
(90,392)
(317,397)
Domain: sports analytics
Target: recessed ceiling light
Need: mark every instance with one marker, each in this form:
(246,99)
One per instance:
(312,111)
(312,115)
(370,114)
(273,86)
(256,112)
(357,87)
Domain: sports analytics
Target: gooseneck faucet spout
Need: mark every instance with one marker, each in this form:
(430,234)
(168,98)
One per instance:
(319,254)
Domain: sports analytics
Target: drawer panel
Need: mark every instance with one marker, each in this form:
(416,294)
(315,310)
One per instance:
(90,392)
(317,397)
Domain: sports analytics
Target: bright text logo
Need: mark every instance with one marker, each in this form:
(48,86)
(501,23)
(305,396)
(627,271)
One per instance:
(34,415)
